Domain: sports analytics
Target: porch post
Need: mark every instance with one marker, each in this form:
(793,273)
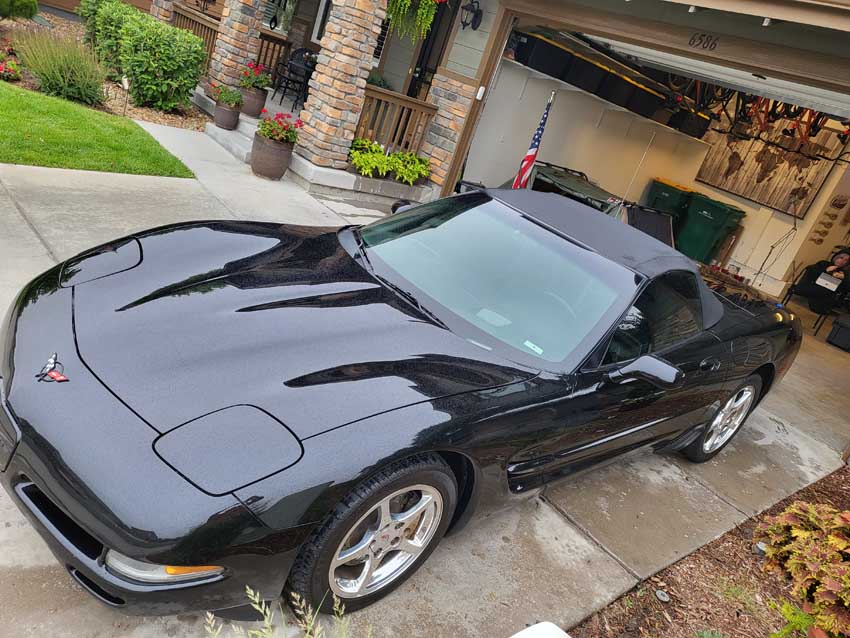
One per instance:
(453,100)
(162,9)
(338,85)
(237,42)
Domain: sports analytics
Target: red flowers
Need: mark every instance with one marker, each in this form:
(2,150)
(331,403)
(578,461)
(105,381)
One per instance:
(10,70)
(255,77)
(280,127)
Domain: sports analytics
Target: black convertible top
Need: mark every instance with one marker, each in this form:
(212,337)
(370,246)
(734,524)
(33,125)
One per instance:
(610,238)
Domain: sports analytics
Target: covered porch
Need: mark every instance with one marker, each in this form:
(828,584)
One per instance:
(367,83)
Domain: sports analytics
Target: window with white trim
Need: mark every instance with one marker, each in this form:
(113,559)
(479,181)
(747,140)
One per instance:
(321,20)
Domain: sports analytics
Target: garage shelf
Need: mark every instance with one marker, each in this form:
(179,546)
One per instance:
(564,86)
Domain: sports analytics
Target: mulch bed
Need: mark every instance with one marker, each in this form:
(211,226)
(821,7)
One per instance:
(719,591)
(190,117)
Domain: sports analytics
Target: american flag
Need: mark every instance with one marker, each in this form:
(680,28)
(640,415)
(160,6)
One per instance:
(521,180)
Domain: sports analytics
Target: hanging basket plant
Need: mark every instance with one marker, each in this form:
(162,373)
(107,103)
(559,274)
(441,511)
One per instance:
(412,18)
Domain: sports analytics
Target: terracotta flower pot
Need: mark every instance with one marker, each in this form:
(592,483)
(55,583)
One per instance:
(226,117)
(270,158)
(253,101)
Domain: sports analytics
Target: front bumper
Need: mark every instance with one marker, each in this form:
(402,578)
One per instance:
(82,556)
(81,467)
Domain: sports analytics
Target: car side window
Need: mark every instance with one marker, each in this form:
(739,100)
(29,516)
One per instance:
(667,312)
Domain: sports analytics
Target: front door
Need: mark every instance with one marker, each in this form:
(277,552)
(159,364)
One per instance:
(432,49)
(599,418)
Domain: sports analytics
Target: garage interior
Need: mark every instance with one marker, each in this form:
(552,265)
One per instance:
(750,145)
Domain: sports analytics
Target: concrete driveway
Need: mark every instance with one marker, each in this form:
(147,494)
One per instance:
(558,557)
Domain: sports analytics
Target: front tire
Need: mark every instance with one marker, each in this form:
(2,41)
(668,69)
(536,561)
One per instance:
(377,536)
(726,422)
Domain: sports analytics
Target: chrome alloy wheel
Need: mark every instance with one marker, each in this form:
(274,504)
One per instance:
(729,419)
(386,541)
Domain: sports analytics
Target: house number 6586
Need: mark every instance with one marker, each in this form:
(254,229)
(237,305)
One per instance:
(703,41)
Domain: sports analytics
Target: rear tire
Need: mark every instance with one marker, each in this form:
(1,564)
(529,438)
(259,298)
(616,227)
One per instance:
(377,536)
(726,422)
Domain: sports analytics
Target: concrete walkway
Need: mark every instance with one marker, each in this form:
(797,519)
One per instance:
(559,557)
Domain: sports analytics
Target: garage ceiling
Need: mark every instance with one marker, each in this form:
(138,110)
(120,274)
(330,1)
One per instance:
(819,99)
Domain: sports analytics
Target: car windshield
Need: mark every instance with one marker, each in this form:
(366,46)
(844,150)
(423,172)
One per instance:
(510,278)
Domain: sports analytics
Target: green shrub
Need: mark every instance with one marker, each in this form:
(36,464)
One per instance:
(18,8)
(110,19)
(408,167)
(810,544)
(63,66)
(368,158)
(163,63)
(87,10)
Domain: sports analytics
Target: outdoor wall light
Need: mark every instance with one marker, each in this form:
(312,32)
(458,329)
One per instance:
(471,15)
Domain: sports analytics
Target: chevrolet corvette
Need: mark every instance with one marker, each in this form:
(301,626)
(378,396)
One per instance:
(209,405)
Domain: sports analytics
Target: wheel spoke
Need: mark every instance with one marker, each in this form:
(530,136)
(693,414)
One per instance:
(365,577)
(742,399)
(408,515)
(709,442)
(410,547)
(355,552)
(386,516)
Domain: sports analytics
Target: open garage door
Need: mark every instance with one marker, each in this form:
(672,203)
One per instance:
(764,157)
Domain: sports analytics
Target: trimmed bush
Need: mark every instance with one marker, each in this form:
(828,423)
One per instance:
(18,8)
(109,20)
(163,63)
(63,67)
(87,10)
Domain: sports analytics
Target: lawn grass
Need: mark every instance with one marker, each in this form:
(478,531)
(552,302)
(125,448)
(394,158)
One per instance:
(39,130)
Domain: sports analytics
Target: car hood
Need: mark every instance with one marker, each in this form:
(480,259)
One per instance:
(186,320)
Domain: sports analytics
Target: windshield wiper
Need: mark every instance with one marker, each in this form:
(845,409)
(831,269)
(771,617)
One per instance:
(408,297)
(361,247)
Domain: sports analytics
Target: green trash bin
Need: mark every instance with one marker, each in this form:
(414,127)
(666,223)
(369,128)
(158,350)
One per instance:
(705,227)
(670,198)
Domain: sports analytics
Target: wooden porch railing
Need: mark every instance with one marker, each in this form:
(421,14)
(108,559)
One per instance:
(395,120)
(273,47)
(203,26)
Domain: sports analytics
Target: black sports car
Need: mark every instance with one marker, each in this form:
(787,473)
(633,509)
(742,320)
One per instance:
(209,405)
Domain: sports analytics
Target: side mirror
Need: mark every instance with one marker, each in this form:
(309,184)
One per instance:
(650,369)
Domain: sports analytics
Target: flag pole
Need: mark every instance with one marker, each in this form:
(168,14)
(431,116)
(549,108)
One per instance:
(527,163)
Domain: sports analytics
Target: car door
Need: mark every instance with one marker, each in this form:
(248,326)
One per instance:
(600,418)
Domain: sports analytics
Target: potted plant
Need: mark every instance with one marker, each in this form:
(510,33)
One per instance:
(227,103)
(254,81)
(273,142)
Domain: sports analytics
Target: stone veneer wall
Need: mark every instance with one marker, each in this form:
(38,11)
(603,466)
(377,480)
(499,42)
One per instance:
(453,99)
(238,40)
(162,10)
(338,85)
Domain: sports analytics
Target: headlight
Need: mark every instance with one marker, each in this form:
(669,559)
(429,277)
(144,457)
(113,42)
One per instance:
(151,573)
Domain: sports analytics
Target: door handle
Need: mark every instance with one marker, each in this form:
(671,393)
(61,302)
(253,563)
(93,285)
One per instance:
(710,364)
